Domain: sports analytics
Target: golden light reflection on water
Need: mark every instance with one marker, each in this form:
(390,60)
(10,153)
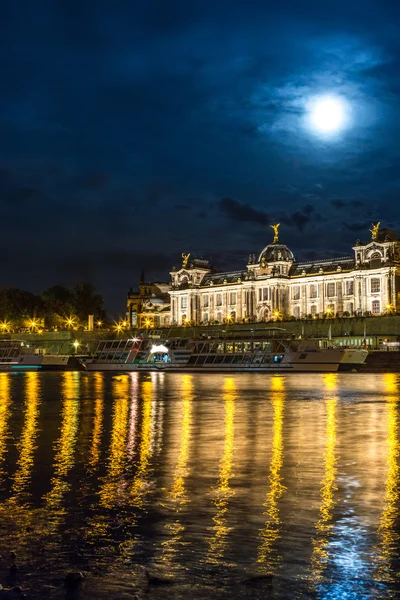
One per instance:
(388,535)
(65,446)
(218,542)
(320,556)
(133,415)
(95,448)
(5,401)
(113,487)
(176,496)
(140,481)
(27,444)
(267,557)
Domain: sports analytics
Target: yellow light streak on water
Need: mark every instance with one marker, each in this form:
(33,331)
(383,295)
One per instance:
(177,495)
(98,420)
(267,556)
(320,555)
(117,451)
(65,446)
(218,542)
(388,535)
(27,445)
(5,401)
(139,484)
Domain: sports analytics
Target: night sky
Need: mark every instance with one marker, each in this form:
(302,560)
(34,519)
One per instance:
(132,132)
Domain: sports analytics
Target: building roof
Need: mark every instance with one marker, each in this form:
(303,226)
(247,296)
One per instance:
(276,252)
(222,277)
(330,265)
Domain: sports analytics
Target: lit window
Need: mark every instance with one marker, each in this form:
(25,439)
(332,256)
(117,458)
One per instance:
(313,291)
(376,307)
(219,300)
(205,301)
(265,294)
(232,298)
(184,302)
(296,292)
(330,290)
(350,287)
(375,286)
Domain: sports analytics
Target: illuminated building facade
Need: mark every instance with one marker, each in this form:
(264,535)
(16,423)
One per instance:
(274,285)
(149,306)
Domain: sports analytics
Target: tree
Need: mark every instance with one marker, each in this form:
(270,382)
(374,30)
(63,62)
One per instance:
(87,302)
(59,304)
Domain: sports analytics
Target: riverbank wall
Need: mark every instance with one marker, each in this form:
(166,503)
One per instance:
(377,330)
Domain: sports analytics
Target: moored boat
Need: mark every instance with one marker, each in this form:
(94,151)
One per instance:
(271,350)
(15,356)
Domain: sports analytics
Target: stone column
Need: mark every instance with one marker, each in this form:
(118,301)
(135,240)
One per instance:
(339,295)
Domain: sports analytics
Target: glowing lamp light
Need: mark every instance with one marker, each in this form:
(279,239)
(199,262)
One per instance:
(327,115)
(160,348)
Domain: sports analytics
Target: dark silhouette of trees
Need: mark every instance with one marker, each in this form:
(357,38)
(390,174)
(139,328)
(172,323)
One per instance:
(53,307)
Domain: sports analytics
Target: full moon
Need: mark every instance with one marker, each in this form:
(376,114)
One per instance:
(327,115)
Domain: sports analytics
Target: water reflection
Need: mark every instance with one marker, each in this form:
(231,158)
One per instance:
(95,447)
(65,445)
(5,402)
(296,488)
(177,496)
(218,542)
(387,550)
(267,557)
(113,487)
(28,441)
(319,559)
(133,416)
(139,485)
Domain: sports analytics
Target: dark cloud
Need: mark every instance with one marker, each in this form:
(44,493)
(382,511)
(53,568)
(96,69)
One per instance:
(357,226)
(341,204)
(300,219)
(93,181)
(119,139)
(239,211)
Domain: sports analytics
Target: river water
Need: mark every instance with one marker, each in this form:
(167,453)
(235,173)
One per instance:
(200,486)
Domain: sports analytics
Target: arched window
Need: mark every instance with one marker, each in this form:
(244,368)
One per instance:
(375,260)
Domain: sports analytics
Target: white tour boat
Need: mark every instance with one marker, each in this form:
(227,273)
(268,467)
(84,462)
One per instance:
(267,350)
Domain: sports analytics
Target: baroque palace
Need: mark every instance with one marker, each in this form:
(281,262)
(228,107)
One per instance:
(273,285)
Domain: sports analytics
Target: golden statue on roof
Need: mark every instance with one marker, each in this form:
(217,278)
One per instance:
(185,260)
(276,234)
(375,230)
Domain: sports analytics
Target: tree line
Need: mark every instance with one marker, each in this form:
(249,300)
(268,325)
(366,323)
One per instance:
(56,307)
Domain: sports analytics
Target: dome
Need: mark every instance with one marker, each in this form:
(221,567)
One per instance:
(276,252)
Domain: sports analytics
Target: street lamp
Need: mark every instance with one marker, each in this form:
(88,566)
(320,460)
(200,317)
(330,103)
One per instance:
(99,323)
(76,345)
(70,321)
